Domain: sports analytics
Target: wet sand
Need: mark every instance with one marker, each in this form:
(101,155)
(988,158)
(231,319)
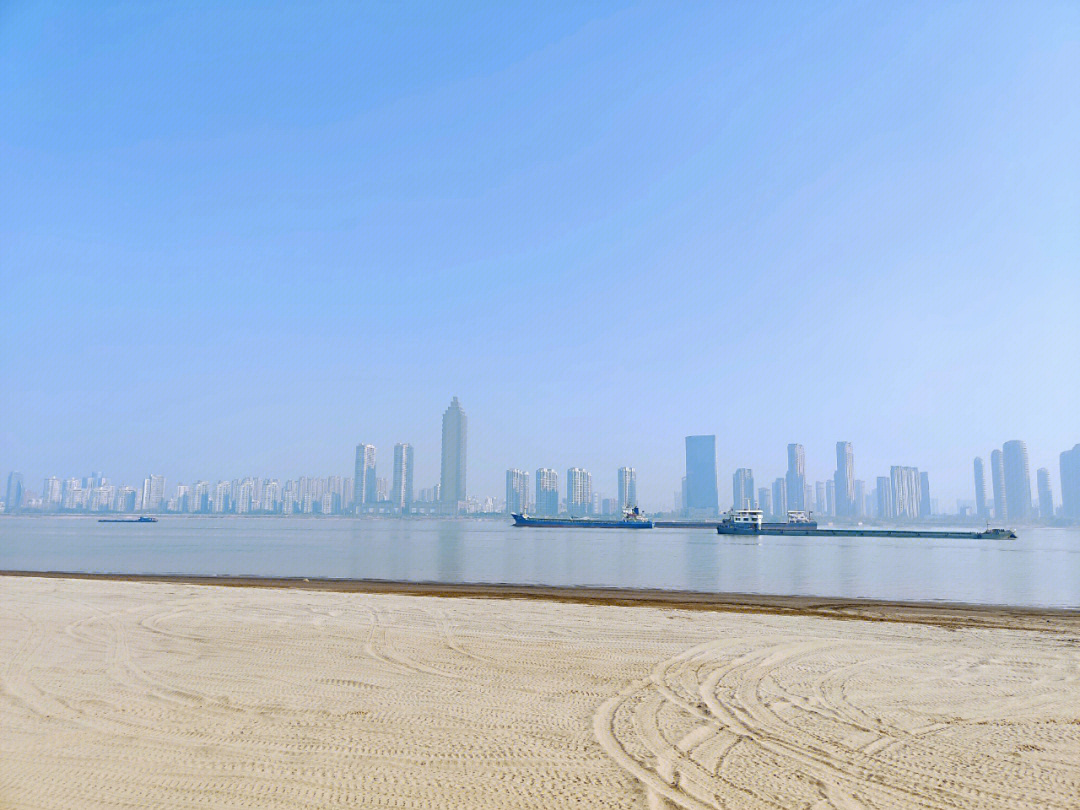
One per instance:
(168,692)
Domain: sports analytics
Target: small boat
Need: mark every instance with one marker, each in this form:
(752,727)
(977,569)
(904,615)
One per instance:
(631,519)
(141,519)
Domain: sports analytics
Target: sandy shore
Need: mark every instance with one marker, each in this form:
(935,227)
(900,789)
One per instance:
(177,694)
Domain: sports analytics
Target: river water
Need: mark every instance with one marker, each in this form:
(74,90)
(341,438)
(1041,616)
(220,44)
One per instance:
(1040,569)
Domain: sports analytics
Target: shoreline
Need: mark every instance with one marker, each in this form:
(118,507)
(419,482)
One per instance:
(940,614)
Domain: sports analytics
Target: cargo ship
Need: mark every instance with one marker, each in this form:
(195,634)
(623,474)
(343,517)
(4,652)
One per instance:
(799,524)
(631,519)
(142,519)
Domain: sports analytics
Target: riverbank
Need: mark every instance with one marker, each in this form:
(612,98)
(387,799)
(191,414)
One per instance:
(122,691)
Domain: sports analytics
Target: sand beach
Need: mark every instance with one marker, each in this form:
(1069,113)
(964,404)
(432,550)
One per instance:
(174,694)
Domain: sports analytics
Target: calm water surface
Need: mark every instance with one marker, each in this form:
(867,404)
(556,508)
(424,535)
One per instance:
(1042,568)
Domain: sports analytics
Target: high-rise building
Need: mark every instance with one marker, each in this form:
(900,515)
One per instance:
(517,492)
(742,488)
(779,498)
(844,480)
(14,499)
(454,440)
(764,500)
(52,493)
(925,510)
(906,491)
(796,477)
(547,492)
(830,497)
(401,495)
(701,493)
(1017,480)
(1070,483)
(627,488)
(153,493)
(997,479)
(578,491)
(1046,495)
(364,494)
(861,507)
(886,509)
(820,498)
(980,490)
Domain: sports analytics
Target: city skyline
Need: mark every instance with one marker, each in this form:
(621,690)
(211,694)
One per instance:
(905,493)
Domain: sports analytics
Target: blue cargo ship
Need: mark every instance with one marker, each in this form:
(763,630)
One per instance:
(631,519)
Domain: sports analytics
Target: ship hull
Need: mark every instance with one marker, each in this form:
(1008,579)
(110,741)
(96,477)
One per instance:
(583,523)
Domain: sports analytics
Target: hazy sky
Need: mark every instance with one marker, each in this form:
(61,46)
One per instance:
(240,238)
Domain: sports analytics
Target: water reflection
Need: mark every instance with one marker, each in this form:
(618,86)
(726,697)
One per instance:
(1042,568)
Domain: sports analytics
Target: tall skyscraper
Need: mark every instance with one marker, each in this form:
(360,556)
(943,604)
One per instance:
(701,493)
(821,498)
(764,500)
(454,440)
(1017,480)
(796,477)
(830,497)
(627,488)
(401,493)
(980,490)
(13,501)
(779,498)
(517,492)
(1046,495)
(861,507)
(886,508)
(153,493)
(742,488)
(1070,483)
(997,479)
(844,480)
(364,492)
(924,495)
(906,488)
(578,491)
(547,492)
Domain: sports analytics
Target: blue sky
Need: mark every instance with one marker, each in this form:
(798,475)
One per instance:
(240,238)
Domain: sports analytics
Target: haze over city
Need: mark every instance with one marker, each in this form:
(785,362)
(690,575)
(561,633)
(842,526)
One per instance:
(225,252)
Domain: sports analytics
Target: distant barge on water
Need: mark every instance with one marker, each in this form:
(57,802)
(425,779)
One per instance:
(751,522)
(143,519)
(631,519)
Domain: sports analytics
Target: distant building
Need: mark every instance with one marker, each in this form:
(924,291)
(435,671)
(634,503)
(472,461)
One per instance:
(925,509)
(578,491)
(547,492)
(627,489)
(980,490)
(454,442)
(820,498)
(796,477)
(886,510)
(997,479)
(906,489)
(382,491)
(364,492)
(779,498)
(701,493)
(1046,495)
(830,497)
(401,494)
(844,480)
(862,508)
(517,492)
(742,488)
(153,493)
(13,501)
(1070,483)
(764,500)
(1017,480)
